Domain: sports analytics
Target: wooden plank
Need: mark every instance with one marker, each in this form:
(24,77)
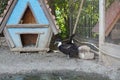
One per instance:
(29,49)
(37,42)
(8,39)
(20,42)
(54,27)
(102,25)
(5,18)
(30,33)
(28,26)
(49,37)
(29,5)
(101,22)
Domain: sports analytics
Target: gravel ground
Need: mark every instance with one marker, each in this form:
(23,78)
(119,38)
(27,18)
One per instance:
(26,62)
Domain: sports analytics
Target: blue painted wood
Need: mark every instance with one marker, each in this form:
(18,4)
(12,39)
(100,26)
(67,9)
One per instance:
(15,35)
(20,8)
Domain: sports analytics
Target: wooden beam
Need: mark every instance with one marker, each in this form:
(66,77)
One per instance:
(28,26)
(8,38)
(6,16)
(101,25)
(109,29)
(49,16)
(29,49)
(30,33)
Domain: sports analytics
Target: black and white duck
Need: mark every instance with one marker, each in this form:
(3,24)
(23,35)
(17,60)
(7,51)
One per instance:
(69,48)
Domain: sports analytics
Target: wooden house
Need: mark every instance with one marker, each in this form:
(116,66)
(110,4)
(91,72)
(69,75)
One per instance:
(28,25)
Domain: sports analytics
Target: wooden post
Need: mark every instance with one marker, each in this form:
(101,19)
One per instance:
(78,16)
(101,25)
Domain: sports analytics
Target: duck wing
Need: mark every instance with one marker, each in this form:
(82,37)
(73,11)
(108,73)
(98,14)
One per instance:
(66,46)
(73,51)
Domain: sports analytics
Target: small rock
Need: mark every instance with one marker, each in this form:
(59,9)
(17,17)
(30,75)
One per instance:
(84,48)
(84,52)
(86,56)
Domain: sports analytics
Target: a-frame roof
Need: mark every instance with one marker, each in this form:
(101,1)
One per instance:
(111,17)
(45,7)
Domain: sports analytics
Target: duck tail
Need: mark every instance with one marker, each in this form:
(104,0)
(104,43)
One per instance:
(71,38)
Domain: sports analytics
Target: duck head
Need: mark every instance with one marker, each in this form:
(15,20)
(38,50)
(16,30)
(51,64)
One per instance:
(58,42)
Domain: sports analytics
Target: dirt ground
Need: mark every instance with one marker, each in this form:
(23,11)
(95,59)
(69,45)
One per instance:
(27,62)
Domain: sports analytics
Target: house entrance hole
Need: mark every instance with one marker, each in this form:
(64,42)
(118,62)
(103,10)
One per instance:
(29,40)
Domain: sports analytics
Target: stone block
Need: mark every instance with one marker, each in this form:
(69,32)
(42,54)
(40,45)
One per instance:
(86,55)
(84,48)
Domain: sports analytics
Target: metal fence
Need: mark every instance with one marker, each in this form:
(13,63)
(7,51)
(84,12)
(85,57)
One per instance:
(88,19)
